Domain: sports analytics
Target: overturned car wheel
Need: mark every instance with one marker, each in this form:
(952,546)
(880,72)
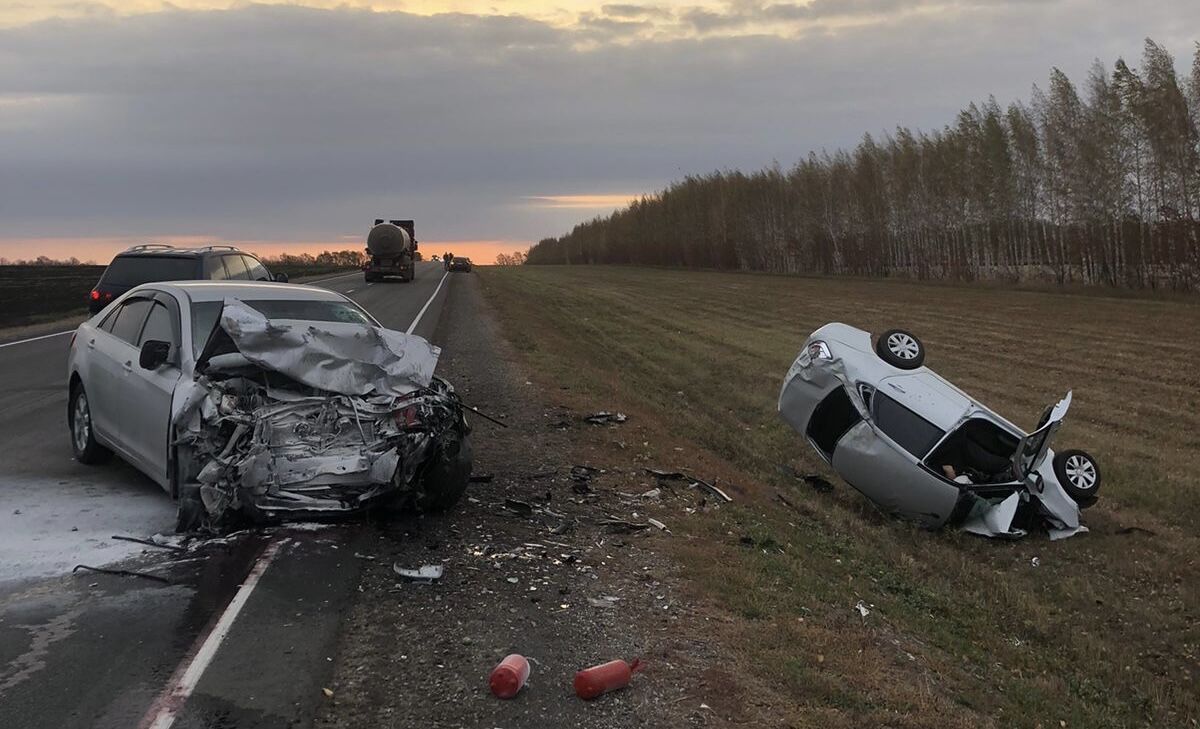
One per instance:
(900,349)
(1079,475)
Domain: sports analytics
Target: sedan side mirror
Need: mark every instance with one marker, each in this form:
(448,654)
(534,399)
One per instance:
(154,354)
(281,277)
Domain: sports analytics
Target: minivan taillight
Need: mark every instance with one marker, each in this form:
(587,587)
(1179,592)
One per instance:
(95,294)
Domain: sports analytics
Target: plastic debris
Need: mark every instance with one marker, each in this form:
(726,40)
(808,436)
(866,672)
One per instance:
(425,573)
(328,692)
(863,609)
(509,676)
(604,417)
(657,524)
(122,573)
(712,489)
(1035,562)
(598,680)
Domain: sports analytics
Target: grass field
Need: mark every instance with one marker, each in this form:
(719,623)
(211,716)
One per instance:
(963,632)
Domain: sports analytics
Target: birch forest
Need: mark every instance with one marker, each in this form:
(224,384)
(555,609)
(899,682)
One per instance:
(1095,184)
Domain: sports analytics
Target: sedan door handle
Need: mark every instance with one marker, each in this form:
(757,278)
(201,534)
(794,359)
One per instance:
(92,343)
(128,366)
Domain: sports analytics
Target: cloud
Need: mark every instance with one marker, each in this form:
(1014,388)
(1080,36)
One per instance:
(279,123)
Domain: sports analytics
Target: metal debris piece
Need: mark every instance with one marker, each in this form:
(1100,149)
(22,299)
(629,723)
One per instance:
(520,508)
(122,573)
(863,609)
(427,573)
(620,526)
(657,524)
(652,494)
(712,489)
(604,417)
(151,543)
(665,475)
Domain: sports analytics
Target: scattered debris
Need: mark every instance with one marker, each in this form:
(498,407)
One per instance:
(122,573)
(1035,562)
(658,525)
(605,417)
(1136,529)
(428,573)
(863,609)
(151,543)
(712,489)
(621,526)
(605,601)
(598,680)
(481,478)
(509,676)
(665,475)
(328,692)
(521,508)
(581,478)
(652,494)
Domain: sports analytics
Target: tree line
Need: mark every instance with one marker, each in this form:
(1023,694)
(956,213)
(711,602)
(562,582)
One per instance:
(1096,186)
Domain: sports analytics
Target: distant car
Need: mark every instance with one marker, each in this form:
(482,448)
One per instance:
(263,401)
(460,264)
(920,448)
(147,263)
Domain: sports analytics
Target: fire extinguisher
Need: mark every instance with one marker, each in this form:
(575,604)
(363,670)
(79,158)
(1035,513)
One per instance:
(597,680)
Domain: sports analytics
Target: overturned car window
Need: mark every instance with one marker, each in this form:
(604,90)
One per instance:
(205,313)
(831,419)
(912,432)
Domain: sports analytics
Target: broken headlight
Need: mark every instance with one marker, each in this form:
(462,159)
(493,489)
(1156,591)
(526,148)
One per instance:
(819,350)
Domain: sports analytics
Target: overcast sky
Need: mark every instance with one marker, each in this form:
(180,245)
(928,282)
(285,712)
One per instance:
(300,122)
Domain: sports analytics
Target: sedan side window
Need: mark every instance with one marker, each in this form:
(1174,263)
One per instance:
(128,324)
(236,267)
(258,272)
(158,326)
(214,270)
(912,432)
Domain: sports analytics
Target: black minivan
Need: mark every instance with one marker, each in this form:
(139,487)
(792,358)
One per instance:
(158,262)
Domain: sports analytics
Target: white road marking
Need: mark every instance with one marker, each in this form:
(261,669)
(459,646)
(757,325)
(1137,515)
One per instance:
(421,313)
(34,339)
(332,278)
(169,704)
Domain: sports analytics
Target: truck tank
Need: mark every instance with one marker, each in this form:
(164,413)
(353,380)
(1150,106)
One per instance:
(391,246)
(388,241)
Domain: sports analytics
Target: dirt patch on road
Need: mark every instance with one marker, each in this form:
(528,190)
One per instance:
(530,567)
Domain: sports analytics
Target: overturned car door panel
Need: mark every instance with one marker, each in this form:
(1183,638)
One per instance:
(885,475)
(1032,449)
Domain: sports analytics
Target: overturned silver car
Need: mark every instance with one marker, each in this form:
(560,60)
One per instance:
(267,401)
(922,449)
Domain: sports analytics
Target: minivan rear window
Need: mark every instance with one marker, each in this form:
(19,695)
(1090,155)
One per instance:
(130,271)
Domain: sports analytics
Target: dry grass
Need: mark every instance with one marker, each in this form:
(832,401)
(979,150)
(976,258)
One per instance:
(964,631)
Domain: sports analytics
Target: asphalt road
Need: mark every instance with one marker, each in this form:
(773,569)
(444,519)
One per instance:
(96,650)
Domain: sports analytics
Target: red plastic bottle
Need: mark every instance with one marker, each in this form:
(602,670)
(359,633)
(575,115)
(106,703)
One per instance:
(509,676)
(597,680)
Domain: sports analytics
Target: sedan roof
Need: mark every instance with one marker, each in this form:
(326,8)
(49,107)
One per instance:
(220,290)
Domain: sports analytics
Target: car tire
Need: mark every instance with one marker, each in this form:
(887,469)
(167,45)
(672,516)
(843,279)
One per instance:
(83,434)
(901,349)
(447,474)
(189,515)
(1079,475)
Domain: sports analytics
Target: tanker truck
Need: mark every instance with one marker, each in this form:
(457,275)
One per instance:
(391,249)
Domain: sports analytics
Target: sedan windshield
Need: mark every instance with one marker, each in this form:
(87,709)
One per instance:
(205,313)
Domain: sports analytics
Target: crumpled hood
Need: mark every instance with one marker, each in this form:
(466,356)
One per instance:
(338,357)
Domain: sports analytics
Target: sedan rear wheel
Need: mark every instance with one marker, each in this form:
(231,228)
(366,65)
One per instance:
(83,436)
(1079,475)
(900,349)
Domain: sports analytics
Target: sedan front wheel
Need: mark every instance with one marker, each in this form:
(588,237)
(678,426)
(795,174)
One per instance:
(83,435)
